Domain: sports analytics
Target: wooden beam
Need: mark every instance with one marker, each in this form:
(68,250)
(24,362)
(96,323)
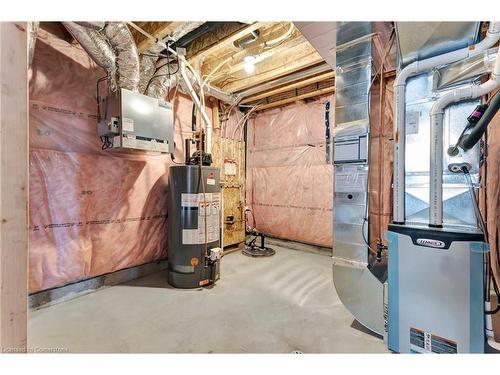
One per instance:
(289,87)
(282,102)
(300,57)
(215,114)
(164,29)
(13,186)
(212,37)
(237,59)
(227,41)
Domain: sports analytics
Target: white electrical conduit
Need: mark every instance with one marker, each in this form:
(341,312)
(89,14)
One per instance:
(437,118)
(200,106)
(241,123)
(417,67)
(274,42)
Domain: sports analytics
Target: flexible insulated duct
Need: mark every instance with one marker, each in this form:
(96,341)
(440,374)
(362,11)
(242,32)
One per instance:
(94,25)
(163,79)
(148,66)
(127,58)
(151,65)
(97,47)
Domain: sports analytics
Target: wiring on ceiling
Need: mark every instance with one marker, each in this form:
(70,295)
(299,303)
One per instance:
(256,51)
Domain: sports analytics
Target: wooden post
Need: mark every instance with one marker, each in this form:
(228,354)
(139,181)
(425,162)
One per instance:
(13,186)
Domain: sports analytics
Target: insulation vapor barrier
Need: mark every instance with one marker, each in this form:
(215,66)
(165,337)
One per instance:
(289,181)
(381,159)
(491,213)
(91,212)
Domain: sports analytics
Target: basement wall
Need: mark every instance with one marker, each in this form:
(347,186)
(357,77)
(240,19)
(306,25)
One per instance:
(490,175)
(381,161)
(91,212)
(289,182)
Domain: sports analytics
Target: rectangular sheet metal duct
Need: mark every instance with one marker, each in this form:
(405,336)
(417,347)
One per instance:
(421,40)
(356,286)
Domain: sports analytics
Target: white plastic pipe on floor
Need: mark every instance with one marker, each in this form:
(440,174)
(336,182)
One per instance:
(489,333)
(436,131)
(417,67)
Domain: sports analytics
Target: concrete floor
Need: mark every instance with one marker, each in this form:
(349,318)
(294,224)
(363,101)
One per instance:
(270,305)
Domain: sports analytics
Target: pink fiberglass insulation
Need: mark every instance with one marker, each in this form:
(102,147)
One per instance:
(91,212)
(289,182)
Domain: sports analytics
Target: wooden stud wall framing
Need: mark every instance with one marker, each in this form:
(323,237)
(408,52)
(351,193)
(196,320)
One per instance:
(233,186)
(13,186)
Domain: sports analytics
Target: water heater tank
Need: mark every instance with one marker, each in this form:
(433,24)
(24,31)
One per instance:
(193,226)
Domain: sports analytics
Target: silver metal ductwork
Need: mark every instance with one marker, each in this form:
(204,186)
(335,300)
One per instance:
(422,40)
(127,58)
(113,49)
(94,25)
(155,79)
(465,70)
(95,44)
(148,66)
(358,289)
(165,77)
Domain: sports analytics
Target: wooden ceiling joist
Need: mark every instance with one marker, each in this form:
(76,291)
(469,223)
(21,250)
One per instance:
(226,42)
(159,30)
(279,103)
(288,87)
(300,57)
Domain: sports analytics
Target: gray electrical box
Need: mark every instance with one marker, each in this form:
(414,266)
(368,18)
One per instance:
(132,121)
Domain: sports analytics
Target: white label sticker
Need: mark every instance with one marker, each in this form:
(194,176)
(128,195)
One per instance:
(208,217)
(189,200)
(412,120)
(230,168)
(127,124)
(210,181)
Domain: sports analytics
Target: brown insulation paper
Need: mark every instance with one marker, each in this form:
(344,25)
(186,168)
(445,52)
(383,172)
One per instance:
(91,212)
(289,182)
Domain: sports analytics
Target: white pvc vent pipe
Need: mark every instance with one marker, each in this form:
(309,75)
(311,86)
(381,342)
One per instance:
(199,106)
(417,67)
(488,329)
(436,130)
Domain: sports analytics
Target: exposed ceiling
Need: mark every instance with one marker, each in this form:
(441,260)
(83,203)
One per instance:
(286,66)
(279,49)
(323,36)
(292,61)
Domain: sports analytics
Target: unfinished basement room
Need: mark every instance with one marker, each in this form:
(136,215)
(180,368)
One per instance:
(231,187)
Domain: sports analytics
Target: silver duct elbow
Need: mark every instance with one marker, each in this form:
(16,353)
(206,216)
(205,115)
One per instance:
(97,47)
(127,58)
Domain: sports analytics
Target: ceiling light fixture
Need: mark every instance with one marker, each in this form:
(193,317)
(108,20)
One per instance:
(249,63)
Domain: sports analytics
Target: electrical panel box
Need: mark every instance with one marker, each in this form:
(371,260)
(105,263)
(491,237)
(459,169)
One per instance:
(132,121)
